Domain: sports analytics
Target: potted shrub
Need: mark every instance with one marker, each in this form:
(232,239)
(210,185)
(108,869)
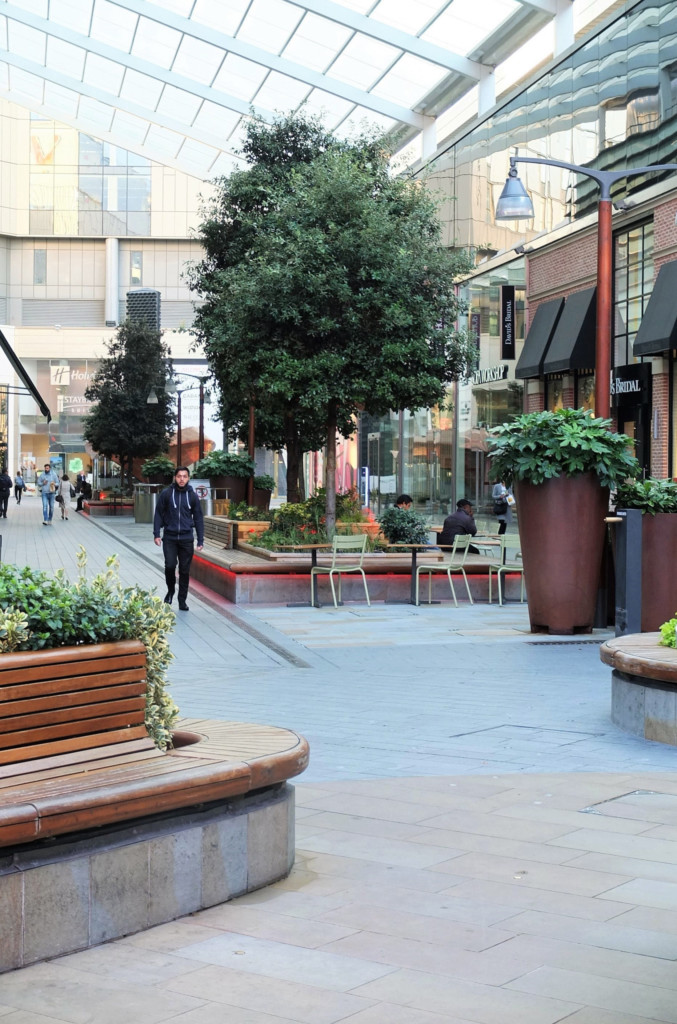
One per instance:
(657,501)
(225,470)
(41,610)
(562,465)
(159,470)
(403,526)
(264,486)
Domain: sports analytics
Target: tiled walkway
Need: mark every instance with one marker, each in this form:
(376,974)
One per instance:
(476,843)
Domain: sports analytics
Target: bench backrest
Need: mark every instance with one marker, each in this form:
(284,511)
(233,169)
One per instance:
(71,698)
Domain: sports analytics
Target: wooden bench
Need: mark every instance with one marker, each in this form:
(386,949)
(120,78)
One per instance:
(75,753)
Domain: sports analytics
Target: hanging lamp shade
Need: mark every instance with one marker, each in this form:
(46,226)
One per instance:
(514,202)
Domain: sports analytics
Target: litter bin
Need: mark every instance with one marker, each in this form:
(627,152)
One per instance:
(145,499)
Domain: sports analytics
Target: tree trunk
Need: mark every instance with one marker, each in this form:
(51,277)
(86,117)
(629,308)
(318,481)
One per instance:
(330,464)
(302,475)
(292,445)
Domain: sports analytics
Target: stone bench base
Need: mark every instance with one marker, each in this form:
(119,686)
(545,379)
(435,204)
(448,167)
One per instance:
(643,686)
(63,895)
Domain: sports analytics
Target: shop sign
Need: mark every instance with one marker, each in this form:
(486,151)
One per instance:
(507,321)
(475,328)
(631,385)
(490,374)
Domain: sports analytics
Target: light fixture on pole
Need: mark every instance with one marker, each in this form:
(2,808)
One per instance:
(171,389)
(515,204)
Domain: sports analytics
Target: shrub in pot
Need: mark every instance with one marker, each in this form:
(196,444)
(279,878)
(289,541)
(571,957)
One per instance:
(403,526)
(226,470)
(657,501)
(562,466)
(159,470)
(264,486)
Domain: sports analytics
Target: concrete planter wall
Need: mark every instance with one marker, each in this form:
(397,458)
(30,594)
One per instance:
(659,581)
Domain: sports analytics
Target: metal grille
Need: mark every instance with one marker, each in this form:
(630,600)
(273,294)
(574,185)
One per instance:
(143,304)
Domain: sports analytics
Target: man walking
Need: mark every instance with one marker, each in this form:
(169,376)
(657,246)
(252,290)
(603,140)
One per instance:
(48,482)
(177,514)
(5,491)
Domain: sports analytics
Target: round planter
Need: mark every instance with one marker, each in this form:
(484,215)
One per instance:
(237,487)
(562,529)
(659,584)
(261,498)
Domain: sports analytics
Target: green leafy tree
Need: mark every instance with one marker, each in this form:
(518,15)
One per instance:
(122,425)
(326,289)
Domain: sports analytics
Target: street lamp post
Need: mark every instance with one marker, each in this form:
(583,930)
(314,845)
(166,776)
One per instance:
(515,203)
(152,400)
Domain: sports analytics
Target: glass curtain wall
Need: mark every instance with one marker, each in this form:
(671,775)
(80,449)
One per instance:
(633,284)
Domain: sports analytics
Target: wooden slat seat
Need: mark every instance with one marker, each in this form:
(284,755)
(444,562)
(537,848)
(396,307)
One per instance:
(75,753)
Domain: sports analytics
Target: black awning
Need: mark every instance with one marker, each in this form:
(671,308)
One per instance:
(537,341)
(21,373)
(573,345)
(658,329)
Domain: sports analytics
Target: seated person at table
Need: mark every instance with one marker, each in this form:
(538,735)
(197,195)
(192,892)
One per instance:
(404,501)
(461,521)
(84,495)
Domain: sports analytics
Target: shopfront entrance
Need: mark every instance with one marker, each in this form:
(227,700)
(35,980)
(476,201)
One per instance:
(631,398)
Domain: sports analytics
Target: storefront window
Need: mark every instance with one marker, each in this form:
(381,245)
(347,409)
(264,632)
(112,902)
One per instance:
(633,284)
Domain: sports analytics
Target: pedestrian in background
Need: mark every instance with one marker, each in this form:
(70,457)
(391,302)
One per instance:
(178,512)
(63,495)
(19,487)
(47,483)
(5,491)
(501,497)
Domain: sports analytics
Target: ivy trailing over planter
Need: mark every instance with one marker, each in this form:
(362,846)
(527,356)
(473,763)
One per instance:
(648,495)
(538,446)
(39,610)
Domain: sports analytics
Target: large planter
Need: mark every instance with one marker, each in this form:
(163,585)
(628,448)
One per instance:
(237,487)
(261,498)
(562,529)
(659,580)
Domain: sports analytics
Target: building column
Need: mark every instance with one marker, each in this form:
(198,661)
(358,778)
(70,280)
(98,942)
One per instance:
(429,138)
(112,281)
(564,26)
(487,90)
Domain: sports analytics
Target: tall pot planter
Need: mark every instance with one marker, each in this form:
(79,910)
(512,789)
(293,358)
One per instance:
(262,498)
(237,487)
(659,581)
(562,529)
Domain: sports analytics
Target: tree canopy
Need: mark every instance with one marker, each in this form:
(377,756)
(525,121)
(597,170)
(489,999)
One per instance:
(326,289)
(122,425)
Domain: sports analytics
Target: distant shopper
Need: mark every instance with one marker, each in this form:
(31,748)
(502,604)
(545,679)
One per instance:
(48,483)
(63,495)
(501,497)
(459,522)
(404,501)
(84,494)
(177,514)
(5,491)
(80,480)
(19,487)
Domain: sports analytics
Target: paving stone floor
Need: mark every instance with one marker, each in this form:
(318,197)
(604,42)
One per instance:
(476,843)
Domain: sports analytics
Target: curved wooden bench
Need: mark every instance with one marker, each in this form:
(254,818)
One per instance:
(644,686)
(75,754)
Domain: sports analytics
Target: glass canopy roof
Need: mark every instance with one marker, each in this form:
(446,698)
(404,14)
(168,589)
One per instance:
(174,79)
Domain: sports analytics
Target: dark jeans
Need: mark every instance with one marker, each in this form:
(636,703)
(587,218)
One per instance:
(181,551)
(4,498)
(17,494)
(502,527)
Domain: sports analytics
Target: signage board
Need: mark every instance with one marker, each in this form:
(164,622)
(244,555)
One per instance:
(490,374)
(630,385)
(507,321)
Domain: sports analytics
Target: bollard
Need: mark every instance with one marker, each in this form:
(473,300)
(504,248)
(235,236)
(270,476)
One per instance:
(628,570)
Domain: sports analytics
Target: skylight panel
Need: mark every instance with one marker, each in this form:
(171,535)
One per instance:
(279,92)
(361,6)
(198,60)
(180,105)
(316,42)
(4,76)
(196,157)
(181,7)
(226,163)
(65,58)
(27,85)
(535,50)
(155,42)
(113,25)
(38,7)
(405,15)
(223,17)
(216,120)
(363,61)
(163,142)
(73,14)
(26,42)
(362,118)
(463,26)
(3,32)
(95,115)
(409,81)
(130,128)
(239,77)
(103,73)
(269,24)
(332,109)
(62,101)
(141,89)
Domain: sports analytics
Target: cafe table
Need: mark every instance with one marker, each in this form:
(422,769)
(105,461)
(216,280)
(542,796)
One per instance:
(313,548)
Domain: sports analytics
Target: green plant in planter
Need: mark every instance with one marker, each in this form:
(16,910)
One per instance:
(538,446)
(39,610)
(648,495)
(220,463)
(669,633)
(160,465)
(243,511)
(264,482)
(403,526)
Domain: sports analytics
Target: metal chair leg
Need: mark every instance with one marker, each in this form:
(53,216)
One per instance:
(333,589)
(366,592)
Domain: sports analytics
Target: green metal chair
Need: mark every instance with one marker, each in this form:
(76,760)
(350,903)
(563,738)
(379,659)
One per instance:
(340,545)
(510,561)
(455,565)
